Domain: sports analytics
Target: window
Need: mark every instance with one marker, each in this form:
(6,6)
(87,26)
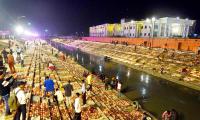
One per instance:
(133,34)
(148,34)
(145,27)
(145,34)
(130,27)
(156,27)
(130,34)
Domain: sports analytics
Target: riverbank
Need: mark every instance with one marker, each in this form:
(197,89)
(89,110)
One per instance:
(172,74)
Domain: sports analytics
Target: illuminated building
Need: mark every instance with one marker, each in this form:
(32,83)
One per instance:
(117,30)
(166,27)
(104,30)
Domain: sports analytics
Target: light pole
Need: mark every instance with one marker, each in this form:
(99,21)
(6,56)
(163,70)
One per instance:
(153,23)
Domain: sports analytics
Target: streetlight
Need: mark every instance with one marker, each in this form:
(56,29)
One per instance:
(147,20)
(153,23)
(132,21)
(19,29)
(153,18)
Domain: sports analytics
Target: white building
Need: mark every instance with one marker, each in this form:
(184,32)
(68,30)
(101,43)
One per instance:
(166,27)
(129,29)
(175,27)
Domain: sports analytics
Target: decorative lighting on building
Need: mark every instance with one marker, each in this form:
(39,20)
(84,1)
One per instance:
(153,19)
(147,20)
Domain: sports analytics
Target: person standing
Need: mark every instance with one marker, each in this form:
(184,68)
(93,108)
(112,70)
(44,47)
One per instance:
(89,82)
(77,107)
(4,53)
(21,97)
(166,115)
(83,90)
(11,51)
(52,51)
(18,50)
(106,83)
(59,95)
(2,67)
(5,93)
(51,66)
(119,87)
(49,85)
(11,62)
(112,83)
(174,115)
(68,92)
(22,60)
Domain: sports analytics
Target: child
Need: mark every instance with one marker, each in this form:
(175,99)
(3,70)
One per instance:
(59,96)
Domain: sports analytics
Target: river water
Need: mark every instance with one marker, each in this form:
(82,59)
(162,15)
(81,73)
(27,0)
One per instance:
(154,94)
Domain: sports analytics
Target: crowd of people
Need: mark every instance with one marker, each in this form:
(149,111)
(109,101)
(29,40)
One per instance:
(80,99)
(11,89)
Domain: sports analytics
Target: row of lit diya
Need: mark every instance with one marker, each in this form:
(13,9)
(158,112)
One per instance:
(39,109)
(90,113)
(45,111)
(1,107)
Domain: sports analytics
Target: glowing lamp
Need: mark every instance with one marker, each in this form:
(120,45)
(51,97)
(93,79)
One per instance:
(153,19)
(147,20)
(176,29)
(19,29)
(132,21)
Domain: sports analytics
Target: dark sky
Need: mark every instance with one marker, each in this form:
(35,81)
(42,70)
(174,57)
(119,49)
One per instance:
(70,16)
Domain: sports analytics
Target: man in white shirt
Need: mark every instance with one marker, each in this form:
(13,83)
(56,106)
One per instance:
(77,108)
(119,87)
(21,98)
(59,95)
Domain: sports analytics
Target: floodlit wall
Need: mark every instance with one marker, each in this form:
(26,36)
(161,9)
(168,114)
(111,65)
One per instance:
(170,43)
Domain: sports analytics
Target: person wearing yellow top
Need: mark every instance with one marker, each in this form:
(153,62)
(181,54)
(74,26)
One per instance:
(89,82)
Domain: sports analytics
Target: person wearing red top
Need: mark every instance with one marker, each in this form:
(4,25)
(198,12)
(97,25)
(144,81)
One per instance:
(11,62)
(166,115)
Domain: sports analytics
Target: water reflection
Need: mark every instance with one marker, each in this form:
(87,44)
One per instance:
(100,68)
(128,73)
(82,59)
(142,78)
(147,79)
(117,76)
(143,92)
(77,56)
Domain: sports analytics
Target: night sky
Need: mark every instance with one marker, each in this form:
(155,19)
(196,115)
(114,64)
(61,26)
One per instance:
(66,17)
